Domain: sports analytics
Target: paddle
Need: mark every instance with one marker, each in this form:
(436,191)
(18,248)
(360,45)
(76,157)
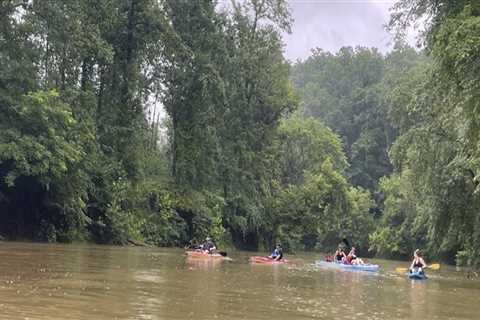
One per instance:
(222,253)
(433,266)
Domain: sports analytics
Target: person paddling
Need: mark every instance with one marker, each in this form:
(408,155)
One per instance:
(418,264)
(193,246)
(209,246)
(277,254)
(340,255)
(352,257)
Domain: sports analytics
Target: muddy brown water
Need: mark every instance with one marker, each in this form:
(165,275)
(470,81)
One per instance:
(43,281)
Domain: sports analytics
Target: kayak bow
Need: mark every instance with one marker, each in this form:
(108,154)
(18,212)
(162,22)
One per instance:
(417,275)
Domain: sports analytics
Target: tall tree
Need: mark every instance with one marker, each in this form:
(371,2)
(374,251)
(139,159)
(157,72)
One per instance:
(344,90)
(437,154)
(259,95)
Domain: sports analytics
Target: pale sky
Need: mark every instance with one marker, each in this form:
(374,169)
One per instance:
(332,24)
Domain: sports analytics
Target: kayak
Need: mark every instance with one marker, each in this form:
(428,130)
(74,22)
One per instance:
(266,260)
(203,255)
(344,266)
(417,275)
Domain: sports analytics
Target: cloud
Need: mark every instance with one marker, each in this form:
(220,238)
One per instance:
(330,24)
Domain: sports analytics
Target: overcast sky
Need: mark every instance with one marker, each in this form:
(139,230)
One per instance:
(331,24)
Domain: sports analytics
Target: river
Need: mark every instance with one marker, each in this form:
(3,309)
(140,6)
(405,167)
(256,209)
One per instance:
(52,281)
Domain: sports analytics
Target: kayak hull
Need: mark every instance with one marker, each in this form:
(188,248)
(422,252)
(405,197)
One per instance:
(203,255)
(350,267)
(266,260)
(416,275)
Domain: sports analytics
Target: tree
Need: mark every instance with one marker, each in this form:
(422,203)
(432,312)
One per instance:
(40,161)
(344,90)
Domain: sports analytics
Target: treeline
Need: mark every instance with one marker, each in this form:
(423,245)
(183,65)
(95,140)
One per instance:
(379,149)
(83,155)
(409,122)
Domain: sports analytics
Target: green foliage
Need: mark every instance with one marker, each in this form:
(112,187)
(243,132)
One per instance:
(306,144)
(394,237)
(163,226)
(323,210)
(83,155)
(42,155)
(344,90)
(120,221)
(203,212)
(227,89)
(87,153)
(310,204)
(432,200)
(43,143)
(64,148)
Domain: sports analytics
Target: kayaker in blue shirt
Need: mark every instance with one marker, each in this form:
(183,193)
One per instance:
(277,254)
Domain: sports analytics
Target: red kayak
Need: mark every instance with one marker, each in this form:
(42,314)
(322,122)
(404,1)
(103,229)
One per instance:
(203,254)
(266,260)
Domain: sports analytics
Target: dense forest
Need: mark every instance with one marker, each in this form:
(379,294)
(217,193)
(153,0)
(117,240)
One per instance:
(169,120)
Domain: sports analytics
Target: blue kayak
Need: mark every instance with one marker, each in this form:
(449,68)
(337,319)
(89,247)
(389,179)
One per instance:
(352,267)
(417,275)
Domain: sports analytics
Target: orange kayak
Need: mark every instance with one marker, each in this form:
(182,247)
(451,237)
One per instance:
(266,260)
(203,255)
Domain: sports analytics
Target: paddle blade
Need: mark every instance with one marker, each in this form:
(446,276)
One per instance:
(401,270)
(434,266)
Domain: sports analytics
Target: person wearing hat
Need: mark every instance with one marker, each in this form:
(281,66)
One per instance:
(277,254)
(209,246)
(418,263)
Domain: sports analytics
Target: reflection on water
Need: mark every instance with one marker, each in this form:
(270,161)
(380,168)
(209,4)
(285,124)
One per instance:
(417,297)
(202,263)
(41,281)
